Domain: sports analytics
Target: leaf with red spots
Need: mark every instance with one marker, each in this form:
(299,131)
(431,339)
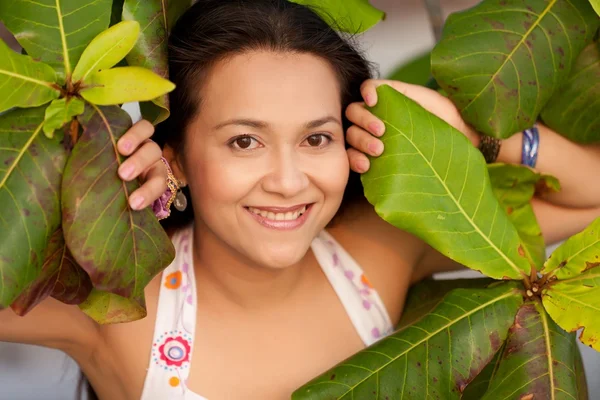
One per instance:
(120,249)
(574,110)
(156,18)
(432,182)
(502,60)
(514,187)
(427,294)
(434,358)
(31,167)
(60,278)
(539,361)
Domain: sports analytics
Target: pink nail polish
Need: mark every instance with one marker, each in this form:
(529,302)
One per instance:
(126,171)
(136,202)
(375,128)
(126,145)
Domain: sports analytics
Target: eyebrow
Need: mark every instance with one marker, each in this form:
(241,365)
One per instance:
(253,123)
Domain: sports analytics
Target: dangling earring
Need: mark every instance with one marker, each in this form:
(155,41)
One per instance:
(180,201)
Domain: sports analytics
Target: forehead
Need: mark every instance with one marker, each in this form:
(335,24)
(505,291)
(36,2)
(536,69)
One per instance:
(271,86)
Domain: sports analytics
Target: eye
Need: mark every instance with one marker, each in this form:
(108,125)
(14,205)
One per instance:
(243,142)
(318,140)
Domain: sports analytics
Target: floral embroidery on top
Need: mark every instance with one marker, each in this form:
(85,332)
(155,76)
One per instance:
(173,349)
(173,280)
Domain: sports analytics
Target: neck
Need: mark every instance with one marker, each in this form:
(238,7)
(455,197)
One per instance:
(228,277)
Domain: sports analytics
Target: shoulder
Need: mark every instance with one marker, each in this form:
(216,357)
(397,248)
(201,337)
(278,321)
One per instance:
(387,254)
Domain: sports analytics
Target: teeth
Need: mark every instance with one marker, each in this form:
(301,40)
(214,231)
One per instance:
(288,216)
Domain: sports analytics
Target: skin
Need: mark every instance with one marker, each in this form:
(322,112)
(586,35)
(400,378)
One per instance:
(249,285)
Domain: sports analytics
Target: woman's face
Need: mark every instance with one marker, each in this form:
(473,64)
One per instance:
(265,157)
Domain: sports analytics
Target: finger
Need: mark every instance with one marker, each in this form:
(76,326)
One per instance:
(359,115)
(358,161)
(363,141)
(134,137)
(368,90)
(154,187)
(144,157)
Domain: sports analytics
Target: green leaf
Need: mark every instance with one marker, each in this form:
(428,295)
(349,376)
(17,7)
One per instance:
(352,16)
(24,82)
(108,308)
(60,278)
(538,361)
(55,31)
(120,249)
(433,183)
(434,358)
(30,177)
(502,60)
(107,49)
(596,5)
(514,187)
(577,254)
(123,85)
(477,388)
(156,18)
(59,112)
(417,71)
(574,303)
(426,295)
(574,110)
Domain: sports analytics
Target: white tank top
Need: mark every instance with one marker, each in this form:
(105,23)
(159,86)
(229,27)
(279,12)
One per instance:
(173,346)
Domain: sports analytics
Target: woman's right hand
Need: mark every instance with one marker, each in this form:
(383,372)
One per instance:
(143,162)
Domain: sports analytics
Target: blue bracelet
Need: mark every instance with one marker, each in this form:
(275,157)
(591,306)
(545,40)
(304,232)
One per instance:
(531,145)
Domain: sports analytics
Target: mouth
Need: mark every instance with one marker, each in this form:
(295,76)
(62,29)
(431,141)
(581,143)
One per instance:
(281,218)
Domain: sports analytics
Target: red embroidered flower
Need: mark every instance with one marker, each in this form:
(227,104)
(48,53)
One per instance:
(175,351)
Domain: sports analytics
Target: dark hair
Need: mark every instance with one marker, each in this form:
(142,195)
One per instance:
(213,30)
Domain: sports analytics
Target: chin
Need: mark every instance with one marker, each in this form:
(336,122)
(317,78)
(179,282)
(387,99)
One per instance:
(279,255)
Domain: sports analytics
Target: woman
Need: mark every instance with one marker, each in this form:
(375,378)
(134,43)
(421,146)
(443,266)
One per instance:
(269,287)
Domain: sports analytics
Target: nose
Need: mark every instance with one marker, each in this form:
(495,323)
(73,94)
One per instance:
(287,177)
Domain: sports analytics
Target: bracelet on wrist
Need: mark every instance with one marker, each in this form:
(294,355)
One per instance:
(490,148)
(530,147)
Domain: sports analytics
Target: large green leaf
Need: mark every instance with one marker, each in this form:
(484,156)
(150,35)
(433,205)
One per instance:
(108,308)
(31,167)
(435,358)
(107,49)
(156,18)
(352,16)
(61,111)
(426,295)
(574,303)
(60,278)
(538,362)
(432,182)
(124,84)
(121,249)
(55,31)
(574,110)
(577,254)
(24,82)
(502,60)
(417,71)
(477,388)
(514,187)
(596,5)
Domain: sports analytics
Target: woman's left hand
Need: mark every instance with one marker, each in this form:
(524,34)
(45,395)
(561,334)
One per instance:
(143,162)
(362,136)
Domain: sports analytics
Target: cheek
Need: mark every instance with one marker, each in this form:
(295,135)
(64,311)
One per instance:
(330,173)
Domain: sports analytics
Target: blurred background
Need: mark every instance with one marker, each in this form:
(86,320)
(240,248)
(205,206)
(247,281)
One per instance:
(35,373)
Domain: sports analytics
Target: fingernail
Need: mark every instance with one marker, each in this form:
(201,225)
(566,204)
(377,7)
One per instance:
(369,100)
(126,145)
(126,171)
(376,128)
(136,202)
(363,165)
(375,148)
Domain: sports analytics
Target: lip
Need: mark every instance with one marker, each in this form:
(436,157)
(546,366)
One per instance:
(281,209)
(281,225)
